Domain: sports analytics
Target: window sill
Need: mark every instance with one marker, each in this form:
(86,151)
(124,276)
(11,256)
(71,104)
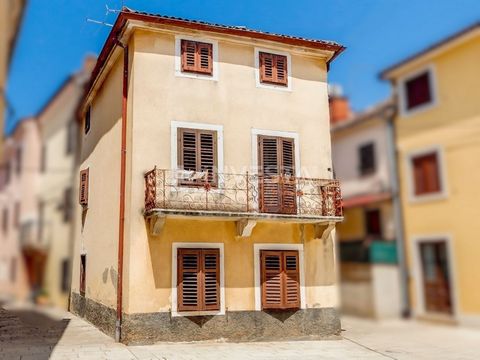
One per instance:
(197,313)
(418,199)
(287,88)
(193,75)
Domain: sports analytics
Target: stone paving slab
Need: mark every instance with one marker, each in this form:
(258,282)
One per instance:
(31,333)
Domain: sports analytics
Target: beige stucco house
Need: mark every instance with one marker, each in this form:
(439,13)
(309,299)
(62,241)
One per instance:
(370,237)
(207,199)
(23,255)
(59,133)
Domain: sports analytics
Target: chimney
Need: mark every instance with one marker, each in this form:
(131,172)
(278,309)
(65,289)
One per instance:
(338,104)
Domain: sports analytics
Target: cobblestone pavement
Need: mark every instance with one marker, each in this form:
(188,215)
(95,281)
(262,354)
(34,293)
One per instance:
(28,333)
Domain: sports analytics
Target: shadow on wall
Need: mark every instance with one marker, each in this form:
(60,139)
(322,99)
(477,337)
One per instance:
(29,334)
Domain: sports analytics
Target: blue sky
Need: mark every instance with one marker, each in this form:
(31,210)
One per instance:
(55,36)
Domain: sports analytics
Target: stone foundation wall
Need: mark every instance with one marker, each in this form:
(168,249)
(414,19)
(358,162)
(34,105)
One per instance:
(233,326)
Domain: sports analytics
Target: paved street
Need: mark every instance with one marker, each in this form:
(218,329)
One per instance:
(26,333)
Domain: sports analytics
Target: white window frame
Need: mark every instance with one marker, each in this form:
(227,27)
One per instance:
(178,58)
(420,310)
(443,193)
(257,271)
(259,84)
(402,91)
(286,134)
(197,245)
(174,126)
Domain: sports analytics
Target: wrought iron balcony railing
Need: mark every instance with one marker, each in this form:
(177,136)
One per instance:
(242,193)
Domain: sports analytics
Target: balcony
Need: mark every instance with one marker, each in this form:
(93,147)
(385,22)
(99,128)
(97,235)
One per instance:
(241,197)
(30,236)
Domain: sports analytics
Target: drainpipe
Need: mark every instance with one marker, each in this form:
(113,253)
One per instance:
(397,215)
(121,220)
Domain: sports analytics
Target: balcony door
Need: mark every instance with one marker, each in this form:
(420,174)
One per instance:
(277,175)
(435,271)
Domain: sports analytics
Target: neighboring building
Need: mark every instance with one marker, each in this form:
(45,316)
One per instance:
(10,17)
(22,257)
(364,161)
(59,133)
(437,132)
(206,185)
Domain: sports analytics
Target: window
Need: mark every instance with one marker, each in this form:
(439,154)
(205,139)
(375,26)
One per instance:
(87,120)
(19,160)
(71,137)
(366,154)
(273,69)
(8,169)
(276,170)
(197,153)
(426,174)
(67,205)
(198,279)
(197,57)
(373,222)
(5,221)
(418,91)
(43,160)
(83,273)
(83,190)
(280,280)
(65,280)
(16,216)
(13,270)
(41,220)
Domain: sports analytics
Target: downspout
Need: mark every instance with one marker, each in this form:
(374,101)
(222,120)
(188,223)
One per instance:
(397,215)
(121,220)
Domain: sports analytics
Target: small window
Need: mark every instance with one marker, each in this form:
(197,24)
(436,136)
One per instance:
(67,205)
(8,172)
(87,120)
(280,280)
(418,91)
(41,220)
(65,271)
(19,160)
(373,222)
(273,69)
(83,190)
(13,270)
(197,155)
(198,277)
(83,273)
(5,221)
(43,160)
(366,155)
(426,174)
(16,216)
(197,57)
(71,137)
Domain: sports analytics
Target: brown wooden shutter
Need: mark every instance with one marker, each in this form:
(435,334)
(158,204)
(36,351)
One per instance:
(291,278)
(277,175)
(197,57)
(426,175)
(273,69)
(197,151)
(289,188)
(83,191)
(280,279)
(211,279)
(83,273)
(189,279)
(271,262)
(198,279)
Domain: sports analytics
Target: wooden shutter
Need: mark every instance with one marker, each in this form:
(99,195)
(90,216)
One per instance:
(198,276)
(277,175)
(426,175)
(197,57)
(211,279)
(188,280)
(273,69)
(280,279)
(83,191)
(197,151)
